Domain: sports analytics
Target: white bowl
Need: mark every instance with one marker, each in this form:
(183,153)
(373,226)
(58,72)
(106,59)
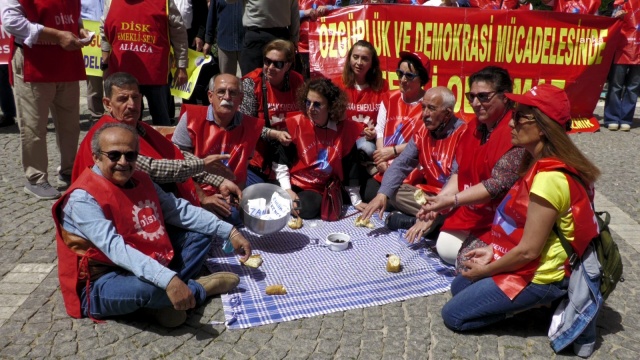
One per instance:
(338,241)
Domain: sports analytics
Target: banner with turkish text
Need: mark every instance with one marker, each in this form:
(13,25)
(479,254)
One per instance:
(92,53)
(571,51)
(196,60)
(5,46)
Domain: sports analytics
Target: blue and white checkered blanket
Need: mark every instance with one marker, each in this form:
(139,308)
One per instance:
(321,281)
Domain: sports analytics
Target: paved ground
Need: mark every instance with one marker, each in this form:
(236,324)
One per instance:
(33,323)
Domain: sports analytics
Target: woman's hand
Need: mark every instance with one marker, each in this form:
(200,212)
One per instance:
(474,271)
(281,136)
(294,197)
(481,255)
(378,203)
(382,167)
(362,206)
(439,202)
(383,155)
(417,231)
(369,133)
(240,244)
(425,215)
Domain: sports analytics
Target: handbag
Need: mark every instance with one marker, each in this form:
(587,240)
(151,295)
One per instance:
(331,207)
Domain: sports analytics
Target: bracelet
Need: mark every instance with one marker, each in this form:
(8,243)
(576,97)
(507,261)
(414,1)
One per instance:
(395,151)
(455,201)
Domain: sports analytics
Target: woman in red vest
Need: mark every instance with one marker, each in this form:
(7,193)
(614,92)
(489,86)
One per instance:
(270,94)
(487,166)
(525,263)
(399,116)
(362,81)
(322,147)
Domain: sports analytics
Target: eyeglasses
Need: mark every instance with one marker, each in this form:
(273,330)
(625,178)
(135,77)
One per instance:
(483,97)
(518,116)
(316,104)
(232,93)
(408,75)
(278,64)
(115,156)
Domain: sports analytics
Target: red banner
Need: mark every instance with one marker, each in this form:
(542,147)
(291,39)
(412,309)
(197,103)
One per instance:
(5,42)
(573,52)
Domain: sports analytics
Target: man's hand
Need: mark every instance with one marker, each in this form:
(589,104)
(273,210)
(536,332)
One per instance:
(206,48)
(181,76)
(282,136)
(426,215)
(69,41)
(384,154)
(217,205)
(240,244)
(213,165)
(228,188)
(198,44)
(417,231)
(294,197)
(361,206)
(378,203)
(382,167)
(180,295)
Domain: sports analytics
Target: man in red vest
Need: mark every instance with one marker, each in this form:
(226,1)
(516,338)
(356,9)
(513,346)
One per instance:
(220,129)
(47,65)
(116,251)
(158,157)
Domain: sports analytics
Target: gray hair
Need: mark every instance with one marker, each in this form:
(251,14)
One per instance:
(214,77)
(448,99)
(95,139)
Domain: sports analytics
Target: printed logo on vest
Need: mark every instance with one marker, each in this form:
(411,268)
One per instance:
(146,221)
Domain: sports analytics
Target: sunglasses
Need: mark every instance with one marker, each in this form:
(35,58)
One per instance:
(483,97)
(520,118)
(408,75)
(115,156)
(278,64)
(316,104)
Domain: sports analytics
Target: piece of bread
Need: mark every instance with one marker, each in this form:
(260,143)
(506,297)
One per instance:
(364,223)
(393,263)
(254,261)
(295,223)
(277,289)
(420,197)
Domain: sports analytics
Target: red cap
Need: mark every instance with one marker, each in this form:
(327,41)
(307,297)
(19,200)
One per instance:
(551,100)
(416,57)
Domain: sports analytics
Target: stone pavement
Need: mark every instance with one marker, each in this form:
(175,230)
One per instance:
(33,323)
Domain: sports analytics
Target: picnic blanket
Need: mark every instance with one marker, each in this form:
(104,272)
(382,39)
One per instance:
(321,281)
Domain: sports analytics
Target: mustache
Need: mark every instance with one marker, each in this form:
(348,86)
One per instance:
(123,168)
(226,103)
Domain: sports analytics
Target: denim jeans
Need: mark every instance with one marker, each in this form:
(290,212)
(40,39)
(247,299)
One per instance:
(253,178)
(481,303)
(624,89)
(121,292)
(366,146)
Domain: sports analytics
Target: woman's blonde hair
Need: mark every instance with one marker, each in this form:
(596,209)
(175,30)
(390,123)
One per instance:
(284,46)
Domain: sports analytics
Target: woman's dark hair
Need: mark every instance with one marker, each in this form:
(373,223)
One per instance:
(336,98)
(494,75)
(417,66)
(373,76)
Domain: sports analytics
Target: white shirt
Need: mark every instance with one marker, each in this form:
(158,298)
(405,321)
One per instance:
(15,22)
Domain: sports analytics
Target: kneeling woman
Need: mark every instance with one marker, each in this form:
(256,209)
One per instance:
(322,147)
(525,264)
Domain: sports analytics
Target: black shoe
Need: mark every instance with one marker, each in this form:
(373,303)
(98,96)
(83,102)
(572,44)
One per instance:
(397,220)
(6,121)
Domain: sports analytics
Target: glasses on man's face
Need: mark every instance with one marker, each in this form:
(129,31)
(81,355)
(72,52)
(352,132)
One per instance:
(483,97)
(315,104)
(408,75)
(115,156)
(232,93)
(278,64)
(520,118)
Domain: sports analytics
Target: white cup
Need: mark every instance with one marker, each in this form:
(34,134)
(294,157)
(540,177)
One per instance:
(338,241)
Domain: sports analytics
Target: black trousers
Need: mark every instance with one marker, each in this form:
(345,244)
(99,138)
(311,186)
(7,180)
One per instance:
(254,41)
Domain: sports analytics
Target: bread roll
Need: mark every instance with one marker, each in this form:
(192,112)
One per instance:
(419,196)
(393,263)
(254,261)
(364,223)
(277,289)
(295,223)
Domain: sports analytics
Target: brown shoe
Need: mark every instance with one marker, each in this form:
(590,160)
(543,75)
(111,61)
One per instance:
(166,317)
(218,283)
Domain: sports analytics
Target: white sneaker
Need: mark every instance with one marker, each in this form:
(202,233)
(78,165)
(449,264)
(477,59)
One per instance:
(625,127)
(613,127)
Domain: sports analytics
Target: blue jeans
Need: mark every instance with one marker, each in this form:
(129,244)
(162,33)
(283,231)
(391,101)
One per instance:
(366,146)
(121,292)
(158,100)
(481,303)
(253,178)
(624,89)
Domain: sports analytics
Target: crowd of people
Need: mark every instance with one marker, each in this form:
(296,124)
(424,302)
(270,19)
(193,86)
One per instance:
(497,189)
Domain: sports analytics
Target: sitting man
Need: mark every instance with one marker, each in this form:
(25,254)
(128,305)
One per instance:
(111,263)
(159,158)
(221,129)
(433,149)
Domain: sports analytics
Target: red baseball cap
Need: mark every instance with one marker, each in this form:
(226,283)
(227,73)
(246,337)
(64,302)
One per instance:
(416,57)
(551,100)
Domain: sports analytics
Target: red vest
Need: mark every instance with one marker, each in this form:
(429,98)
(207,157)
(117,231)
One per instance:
(403,121)
(629,49)
(209,138)
(577,6)
(435,158)
(475,163)
(137,217)
(138,32)
(152,145)
(511,216)
(320,151)
(303,41)
(363,104)
(49,62)
(281,104)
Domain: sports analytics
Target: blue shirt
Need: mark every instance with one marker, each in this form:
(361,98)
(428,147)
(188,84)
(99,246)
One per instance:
(225,20)
(91,9)
(83,216)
